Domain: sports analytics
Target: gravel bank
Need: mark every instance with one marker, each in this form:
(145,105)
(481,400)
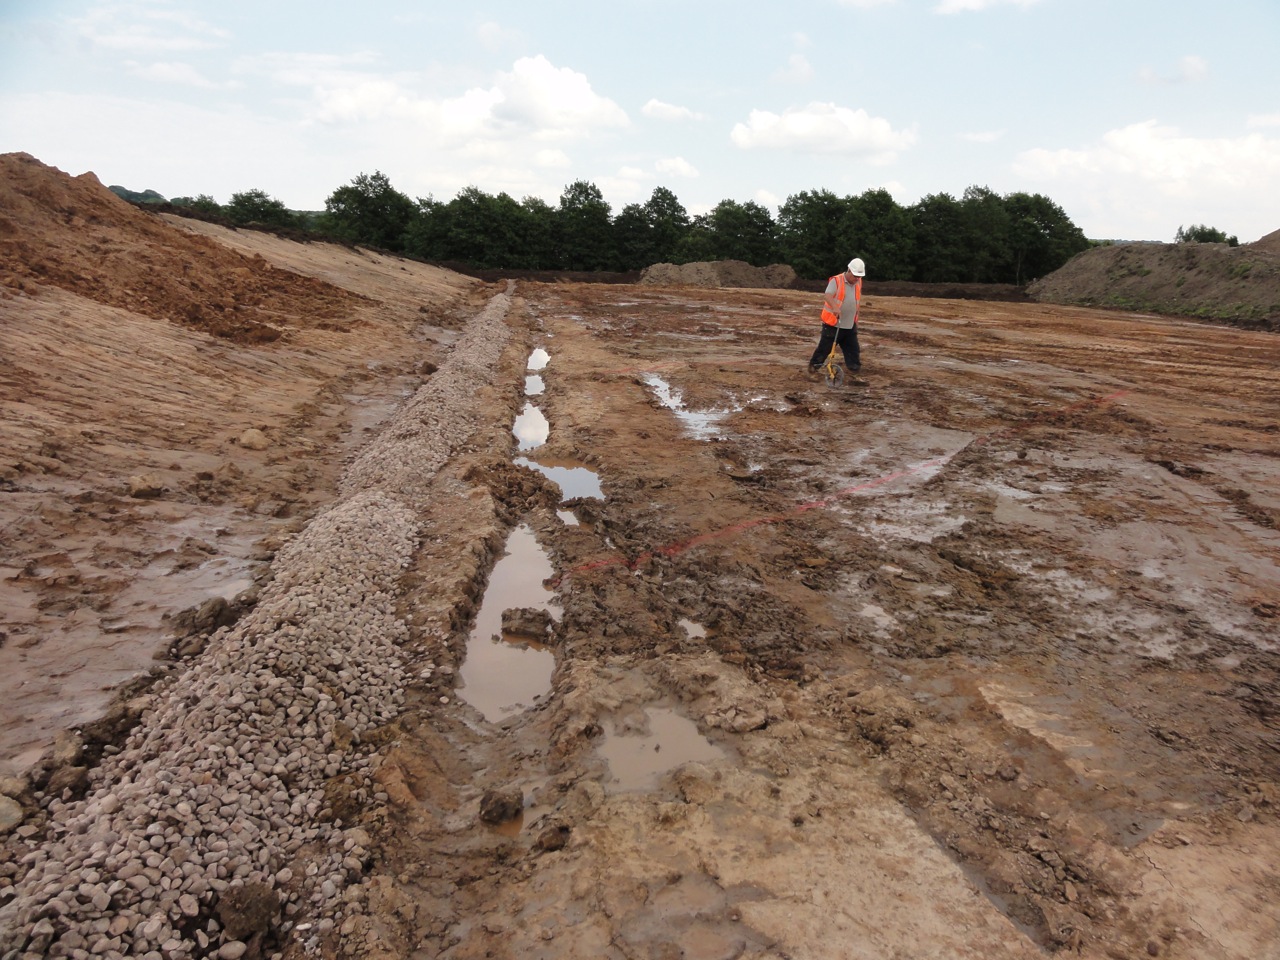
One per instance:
(218,815)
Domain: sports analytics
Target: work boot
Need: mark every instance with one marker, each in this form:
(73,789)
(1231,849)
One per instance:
(815,372)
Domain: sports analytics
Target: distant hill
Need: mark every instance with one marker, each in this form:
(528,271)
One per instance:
(1207,281)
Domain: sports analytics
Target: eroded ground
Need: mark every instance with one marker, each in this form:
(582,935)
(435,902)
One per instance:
(976,658)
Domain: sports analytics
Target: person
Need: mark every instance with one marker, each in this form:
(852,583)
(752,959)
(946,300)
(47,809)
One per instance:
(840,318)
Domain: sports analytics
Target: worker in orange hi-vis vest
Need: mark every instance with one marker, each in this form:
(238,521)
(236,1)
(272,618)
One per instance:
(840,317)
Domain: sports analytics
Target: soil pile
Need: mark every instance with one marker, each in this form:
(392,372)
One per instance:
(1208,281)
(1268,244)
(719,273)
(74,233)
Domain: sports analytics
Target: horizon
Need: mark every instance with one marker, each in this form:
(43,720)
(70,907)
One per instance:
(1135,119)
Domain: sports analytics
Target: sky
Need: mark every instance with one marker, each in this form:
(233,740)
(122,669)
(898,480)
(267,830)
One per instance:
(1135,116)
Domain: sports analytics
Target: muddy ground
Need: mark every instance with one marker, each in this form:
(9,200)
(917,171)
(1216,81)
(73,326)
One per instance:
(975,657)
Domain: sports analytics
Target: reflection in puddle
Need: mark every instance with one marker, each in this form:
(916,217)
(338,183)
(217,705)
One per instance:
(573,481)
(534,385)
(503,676)
(531,427)
(701,426)
(567,518)
(638,755)
(539,359)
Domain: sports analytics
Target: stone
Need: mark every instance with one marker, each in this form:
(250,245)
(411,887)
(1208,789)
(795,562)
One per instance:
(553,837)
(146,486)
(253,439)
(11,815)
(527,622)
(499,806)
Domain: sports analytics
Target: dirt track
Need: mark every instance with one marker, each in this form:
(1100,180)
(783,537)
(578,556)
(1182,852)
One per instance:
(982,654)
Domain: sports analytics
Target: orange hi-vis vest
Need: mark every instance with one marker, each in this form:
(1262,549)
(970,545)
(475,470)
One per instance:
(831,305)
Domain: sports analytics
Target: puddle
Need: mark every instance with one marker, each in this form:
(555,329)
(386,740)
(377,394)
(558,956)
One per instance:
(539,359)
(639,754)
(696,631)
(573,480)
(531,427)
(700,425)
(501,675)
(567,518)
(534,385)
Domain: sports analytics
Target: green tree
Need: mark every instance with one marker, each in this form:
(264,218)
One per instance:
(810,227)
(1042,236)
(483,230)
(256,206)
(698,243)
(583,228)
(203,203)
(940,239)
(370,211)
(1202,233)
(986,234)
(633,240)
(668,222)
(538,226)
(742,231)
(884,236)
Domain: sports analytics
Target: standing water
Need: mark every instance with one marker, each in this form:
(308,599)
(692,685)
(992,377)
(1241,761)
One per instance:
(503,675)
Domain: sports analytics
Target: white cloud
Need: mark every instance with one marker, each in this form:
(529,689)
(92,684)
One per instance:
(797,70)
(1152,176)
(552,159)
(553,103)
(983,136)
(535,101)
(676,167)
(966,6)
(143,28)
(1190,69)
(666,111)
(180,73)
(823,128)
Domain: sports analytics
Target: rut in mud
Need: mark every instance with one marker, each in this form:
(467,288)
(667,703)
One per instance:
(975,659)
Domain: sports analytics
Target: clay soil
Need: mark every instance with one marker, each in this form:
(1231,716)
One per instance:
(980,652)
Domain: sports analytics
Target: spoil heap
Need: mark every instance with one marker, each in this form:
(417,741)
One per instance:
(719,273)
(1208,281)
(74,233)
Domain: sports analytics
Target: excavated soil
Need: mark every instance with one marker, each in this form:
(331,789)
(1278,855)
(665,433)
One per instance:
(974,657)
(1207,281)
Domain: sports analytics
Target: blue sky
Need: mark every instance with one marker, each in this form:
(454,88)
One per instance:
(1136,116)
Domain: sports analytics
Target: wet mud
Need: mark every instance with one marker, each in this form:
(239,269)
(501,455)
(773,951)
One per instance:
(977,658)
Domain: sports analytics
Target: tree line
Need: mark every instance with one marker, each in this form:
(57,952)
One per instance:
(980,237)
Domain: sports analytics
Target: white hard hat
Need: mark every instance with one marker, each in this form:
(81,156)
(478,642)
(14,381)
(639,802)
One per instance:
(857,267)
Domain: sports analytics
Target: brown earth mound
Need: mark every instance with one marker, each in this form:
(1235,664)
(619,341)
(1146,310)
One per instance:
(1268,244)
(719,273)
(74,233)
(1208,281)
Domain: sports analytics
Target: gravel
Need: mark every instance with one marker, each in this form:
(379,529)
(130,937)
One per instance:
(222,785)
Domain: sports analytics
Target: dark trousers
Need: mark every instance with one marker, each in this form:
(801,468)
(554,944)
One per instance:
(846,339)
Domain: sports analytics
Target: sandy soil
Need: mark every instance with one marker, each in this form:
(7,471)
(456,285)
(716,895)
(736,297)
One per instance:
(975,657)
(1208,281)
